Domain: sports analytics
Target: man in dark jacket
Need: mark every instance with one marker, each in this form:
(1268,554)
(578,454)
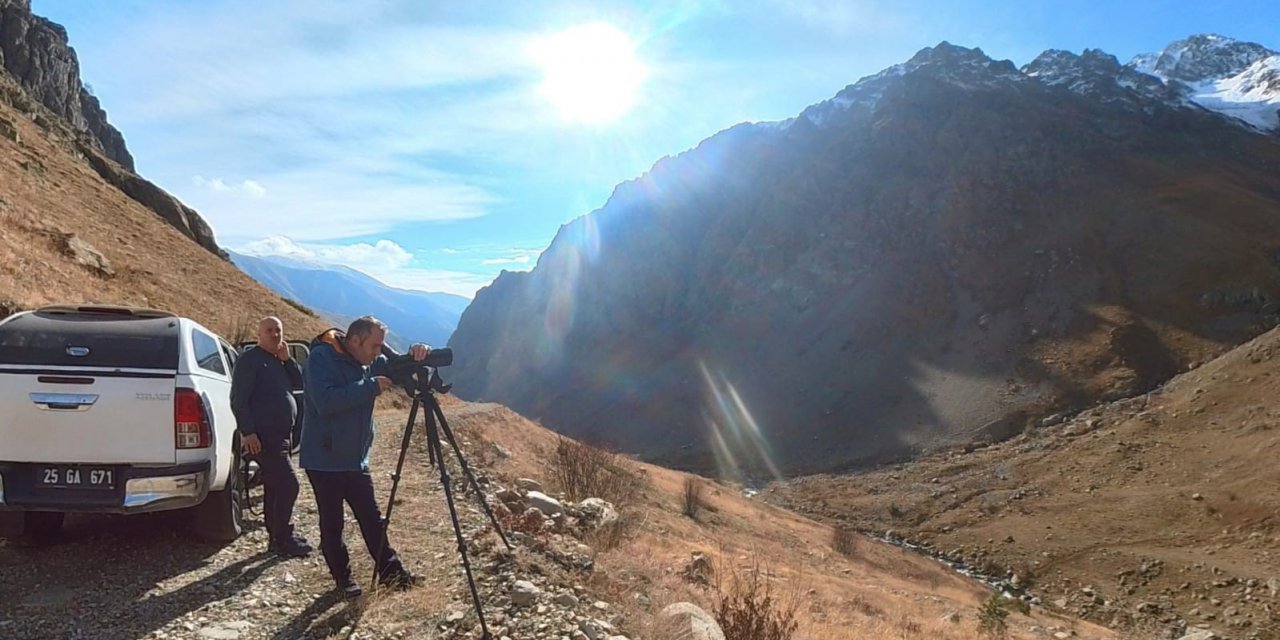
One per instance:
(262,401)
(343,376)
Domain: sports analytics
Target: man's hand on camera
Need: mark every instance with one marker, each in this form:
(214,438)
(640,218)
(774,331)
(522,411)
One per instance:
(384,383)
(419,352)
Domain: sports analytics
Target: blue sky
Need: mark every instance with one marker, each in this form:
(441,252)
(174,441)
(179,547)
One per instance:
(432,144)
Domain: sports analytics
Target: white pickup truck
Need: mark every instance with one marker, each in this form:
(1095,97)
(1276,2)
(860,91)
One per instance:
(116,410)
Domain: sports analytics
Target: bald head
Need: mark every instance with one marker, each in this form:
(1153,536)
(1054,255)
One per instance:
(271,334)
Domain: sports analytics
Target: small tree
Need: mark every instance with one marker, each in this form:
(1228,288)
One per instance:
(844,541)
(748,608)
(992,616)
(692,497)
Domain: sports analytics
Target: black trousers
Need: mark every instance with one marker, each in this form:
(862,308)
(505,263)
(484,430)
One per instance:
(332,488)
(279,487)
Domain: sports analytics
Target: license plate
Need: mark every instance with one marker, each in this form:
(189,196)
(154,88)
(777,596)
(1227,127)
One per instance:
(78,477)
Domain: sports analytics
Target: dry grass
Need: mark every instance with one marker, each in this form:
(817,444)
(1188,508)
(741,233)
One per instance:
(750,607)
(844,541)
(691,503)
(583,471)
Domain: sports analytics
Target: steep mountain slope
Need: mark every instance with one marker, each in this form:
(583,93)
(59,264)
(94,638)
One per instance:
(42,83)
(70,234)
(1163,505)
(341,295)
(943,251)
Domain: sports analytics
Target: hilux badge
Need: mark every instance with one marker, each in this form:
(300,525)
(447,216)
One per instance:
(78,352)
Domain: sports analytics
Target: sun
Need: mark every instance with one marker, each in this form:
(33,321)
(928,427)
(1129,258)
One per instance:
(590,72)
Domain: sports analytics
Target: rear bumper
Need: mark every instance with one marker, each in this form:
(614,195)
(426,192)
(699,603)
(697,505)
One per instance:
(137,490)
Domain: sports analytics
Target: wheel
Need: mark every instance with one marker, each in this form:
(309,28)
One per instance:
(40,528)
(220,518)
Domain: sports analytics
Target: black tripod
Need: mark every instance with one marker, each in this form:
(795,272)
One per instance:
(426,383)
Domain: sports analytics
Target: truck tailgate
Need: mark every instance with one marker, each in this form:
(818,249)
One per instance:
(86,416)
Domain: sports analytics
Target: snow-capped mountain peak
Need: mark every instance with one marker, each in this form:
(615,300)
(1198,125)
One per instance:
(1235,78)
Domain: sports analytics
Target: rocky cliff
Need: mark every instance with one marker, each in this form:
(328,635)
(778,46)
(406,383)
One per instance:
(44,84)
(947,250)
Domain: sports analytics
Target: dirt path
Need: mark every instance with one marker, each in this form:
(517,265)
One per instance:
(143,577)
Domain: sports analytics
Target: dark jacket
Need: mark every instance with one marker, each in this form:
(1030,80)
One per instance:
(262,394)
(337,420)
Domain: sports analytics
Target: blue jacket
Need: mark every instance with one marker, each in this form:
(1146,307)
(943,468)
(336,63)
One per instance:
(337,420)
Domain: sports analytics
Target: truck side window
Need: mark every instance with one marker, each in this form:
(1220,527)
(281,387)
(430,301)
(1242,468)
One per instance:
(207,355)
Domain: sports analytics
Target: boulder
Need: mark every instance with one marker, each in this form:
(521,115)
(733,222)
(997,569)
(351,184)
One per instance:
(546,504)
(694,622)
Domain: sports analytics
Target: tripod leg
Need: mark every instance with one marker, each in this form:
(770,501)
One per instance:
(395,485)
(435,410)
(433,444)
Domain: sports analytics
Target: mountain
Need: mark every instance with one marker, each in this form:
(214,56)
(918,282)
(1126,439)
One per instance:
(1239,79)
(342,295)
(944,251)
(76,224)
(42,83)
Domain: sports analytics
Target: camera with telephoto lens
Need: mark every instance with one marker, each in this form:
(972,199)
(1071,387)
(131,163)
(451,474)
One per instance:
(415,375)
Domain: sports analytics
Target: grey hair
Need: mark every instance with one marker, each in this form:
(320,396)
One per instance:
(364,326)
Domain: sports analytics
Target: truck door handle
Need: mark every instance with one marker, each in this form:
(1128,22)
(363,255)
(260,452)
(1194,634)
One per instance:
(64,401)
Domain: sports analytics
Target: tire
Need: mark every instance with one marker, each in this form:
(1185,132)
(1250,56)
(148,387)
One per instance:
(220,518)
(40,528)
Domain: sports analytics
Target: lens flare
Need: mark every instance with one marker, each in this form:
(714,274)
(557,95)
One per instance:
(738,444)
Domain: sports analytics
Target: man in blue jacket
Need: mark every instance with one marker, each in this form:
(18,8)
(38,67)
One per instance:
(343,377)
(262,400)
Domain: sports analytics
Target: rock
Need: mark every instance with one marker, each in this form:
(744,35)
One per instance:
(219,632)
(1274,585)
(8,131)
(952,617)
(455,616)
(529,484)
(1201,634)
(699,570)
(84,254)
(1196,496)
(567,599)
(524,593)
(597,512)
(694,622)
(546,504)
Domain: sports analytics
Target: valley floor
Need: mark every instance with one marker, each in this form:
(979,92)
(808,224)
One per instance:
(1152,514)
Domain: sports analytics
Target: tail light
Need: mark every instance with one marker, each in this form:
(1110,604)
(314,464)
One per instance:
(190,421)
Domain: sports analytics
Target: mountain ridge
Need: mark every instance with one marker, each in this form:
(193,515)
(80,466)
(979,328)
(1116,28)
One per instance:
(342,294)
(919,242)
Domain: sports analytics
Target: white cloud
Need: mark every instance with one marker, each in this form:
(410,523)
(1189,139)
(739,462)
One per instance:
(252,188)
(381,254)
(515,257)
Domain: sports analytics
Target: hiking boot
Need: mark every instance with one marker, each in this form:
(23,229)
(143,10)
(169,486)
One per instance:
(290,548)
(399,580)
(349,588)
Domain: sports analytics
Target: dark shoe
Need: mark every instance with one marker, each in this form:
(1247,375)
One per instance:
(290,549)
(349,589)
(399,580)
(301,542)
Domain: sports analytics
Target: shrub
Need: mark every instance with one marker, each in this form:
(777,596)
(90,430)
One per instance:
(692,497)
(582,471)
(992,616)
(748,609)
(844,541)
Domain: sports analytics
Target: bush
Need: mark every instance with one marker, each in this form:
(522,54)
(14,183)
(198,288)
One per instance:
(992,616)
(582,471)
(844,541)
(748,609)
(692,502)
